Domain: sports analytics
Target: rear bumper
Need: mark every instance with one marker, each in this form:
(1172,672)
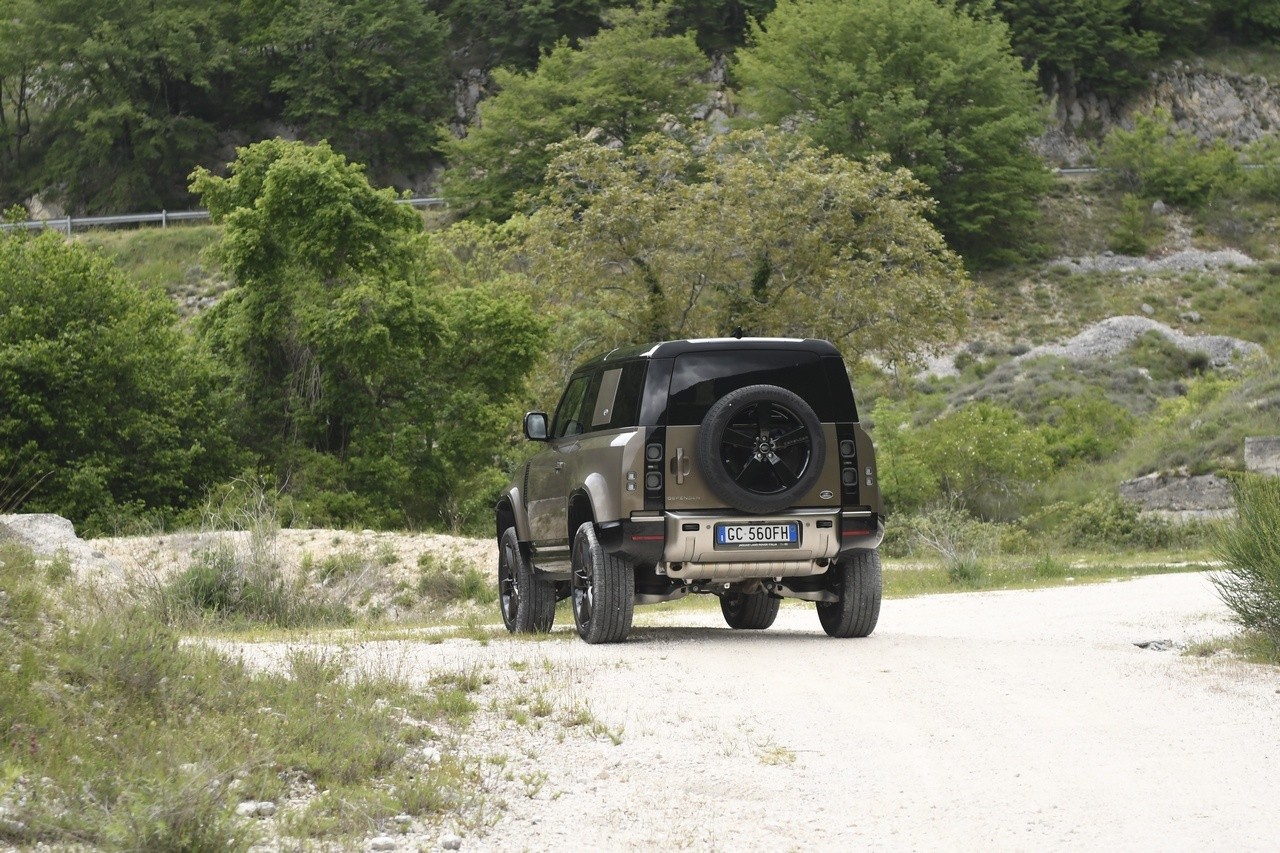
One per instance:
(689,537)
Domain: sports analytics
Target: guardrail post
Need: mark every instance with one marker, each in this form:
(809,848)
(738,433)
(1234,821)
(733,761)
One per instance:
(164,219)
(68,225)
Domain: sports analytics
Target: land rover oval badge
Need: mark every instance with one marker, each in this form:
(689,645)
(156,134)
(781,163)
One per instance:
(826,494)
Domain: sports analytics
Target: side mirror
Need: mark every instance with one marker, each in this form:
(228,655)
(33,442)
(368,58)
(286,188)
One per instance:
(535,426)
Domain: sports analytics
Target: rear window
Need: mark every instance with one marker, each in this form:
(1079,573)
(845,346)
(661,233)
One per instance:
(698,380)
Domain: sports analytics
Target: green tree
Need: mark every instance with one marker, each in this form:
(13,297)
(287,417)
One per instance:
(1088,45)
(936,89)
(129,87)
(106,411)
(620,84)
(369,391)
(720,24)
(1250,20)
(982,456)
(367,75)
(19,67)
(689,237)
(515,33)
(1155,160)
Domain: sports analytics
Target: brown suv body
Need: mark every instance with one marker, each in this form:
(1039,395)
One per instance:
(724,466)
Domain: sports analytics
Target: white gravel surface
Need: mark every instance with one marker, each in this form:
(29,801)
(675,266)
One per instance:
(995,721)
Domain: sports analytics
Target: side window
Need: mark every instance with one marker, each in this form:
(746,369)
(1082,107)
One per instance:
(572,412)
(605,399)
(626,403)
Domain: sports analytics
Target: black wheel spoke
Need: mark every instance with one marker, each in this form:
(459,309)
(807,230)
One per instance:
(786,477)
(737,438)
(753,462)
(763,412)
(796,437)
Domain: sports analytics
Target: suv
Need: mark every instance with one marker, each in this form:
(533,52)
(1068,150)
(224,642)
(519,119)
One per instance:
(731,467)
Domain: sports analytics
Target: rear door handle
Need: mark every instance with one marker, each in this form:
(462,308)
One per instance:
(681,466)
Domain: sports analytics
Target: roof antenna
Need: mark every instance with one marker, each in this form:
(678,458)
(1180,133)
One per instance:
(736,333)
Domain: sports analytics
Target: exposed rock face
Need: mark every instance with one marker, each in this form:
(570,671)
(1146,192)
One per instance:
(1236,109)
(1178,496)
(1113,335)
(1208,104)
(1262,454)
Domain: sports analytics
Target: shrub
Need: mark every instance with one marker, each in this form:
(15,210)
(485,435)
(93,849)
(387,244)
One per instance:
(1085,426)
(239,577)
(445,581)
(106,411)
(1106,521)
(961,540)
(1157,161)
(1130,234)
(1249,548)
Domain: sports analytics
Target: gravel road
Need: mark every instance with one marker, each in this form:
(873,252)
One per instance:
(1006,721)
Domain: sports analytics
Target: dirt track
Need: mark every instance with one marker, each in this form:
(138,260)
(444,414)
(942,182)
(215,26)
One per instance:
(1009,721)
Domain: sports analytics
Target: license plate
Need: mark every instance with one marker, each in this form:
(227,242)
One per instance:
(780,535)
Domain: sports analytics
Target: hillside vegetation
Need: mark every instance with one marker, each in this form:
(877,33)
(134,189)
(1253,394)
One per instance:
(632,171)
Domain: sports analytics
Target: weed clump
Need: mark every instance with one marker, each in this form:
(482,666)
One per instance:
(1249,583)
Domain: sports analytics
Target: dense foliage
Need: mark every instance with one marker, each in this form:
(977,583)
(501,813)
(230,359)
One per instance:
(106,410)
(107,106)
(620,84)
(754,230)
(936,89)
(1156,161)
(372,394)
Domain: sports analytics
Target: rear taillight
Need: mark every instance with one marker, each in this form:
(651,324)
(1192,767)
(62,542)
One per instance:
(655,453)
(847,446)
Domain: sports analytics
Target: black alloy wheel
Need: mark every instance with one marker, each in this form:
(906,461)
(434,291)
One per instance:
(761,448)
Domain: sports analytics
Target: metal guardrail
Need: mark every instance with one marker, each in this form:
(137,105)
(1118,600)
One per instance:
(67,224)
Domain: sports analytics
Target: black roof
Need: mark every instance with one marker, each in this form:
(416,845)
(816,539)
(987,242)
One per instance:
(671,349)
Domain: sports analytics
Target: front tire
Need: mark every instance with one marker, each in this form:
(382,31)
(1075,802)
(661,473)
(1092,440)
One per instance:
(603,590)
(752,611)
(857,579)
(527,601)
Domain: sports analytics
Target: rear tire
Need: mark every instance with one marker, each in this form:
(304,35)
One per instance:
(604,594)
(856,578)
(753,611)
(527,601)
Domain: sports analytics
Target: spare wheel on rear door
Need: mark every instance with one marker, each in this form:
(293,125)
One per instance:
(760,448)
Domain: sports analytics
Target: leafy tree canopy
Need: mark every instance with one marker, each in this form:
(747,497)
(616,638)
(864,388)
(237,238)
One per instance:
(372,392)
(515,33)
(1104,46)
(367,75)
(757,229)
(620,84)
(105,409)
(128,85)
(936,89)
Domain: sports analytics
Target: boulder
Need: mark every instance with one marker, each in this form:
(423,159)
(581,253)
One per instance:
(1262,454)
(1180,496)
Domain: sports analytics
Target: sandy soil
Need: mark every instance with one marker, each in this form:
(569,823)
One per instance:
(1006,721)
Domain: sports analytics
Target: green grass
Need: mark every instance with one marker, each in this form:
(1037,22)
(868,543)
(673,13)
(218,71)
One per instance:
(1245,60)
(928,578)
(172,259)
(115,734)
